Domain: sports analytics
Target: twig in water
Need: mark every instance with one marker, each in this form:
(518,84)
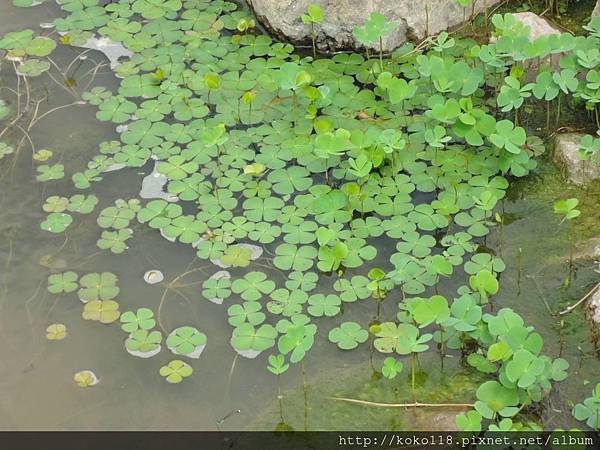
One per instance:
(403,405)
(580,301)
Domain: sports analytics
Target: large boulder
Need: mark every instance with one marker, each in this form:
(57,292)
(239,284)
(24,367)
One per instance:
(283,18)
(566,153)
(596,11)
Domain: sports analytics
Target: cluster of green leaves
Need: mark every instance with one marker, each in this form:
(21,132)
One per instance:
(301,153)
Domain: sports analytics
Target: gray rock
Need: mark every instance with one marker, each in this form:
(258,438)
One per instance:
(596,11)
(283,18)
(590,250)
(566,153)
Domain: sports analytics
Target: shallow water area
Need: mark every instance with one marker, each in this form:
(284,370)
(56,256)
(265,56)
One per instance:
(226,390)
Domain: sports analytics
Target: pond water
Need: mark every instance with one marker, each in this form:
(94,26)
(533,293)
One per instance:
(229,392)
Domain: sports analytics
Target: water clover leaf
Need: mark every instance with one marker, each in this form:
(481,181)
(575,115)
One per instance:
(16,39)
(314,14)
(32,68)
(144,341)
(116,109)
(115,217)
(176,371)
(481,363)
(98,286)
(566,208)
(391,367)
(512,95)
(403,339)
(103,311)
(287,303)
(469,421)
(435,309)
(304,281)
(465,314)
(177,167)
(55,204)
(481,261)
(331,207)
(82,204)
(155,9)
(56,222)
(247,312)
(40,46)
(184,228)
(353,289)
(250,341)
(114,240)
(508,137)
(62,282)
(348,335)
(495,398)
(589,410)
(47,173)
(236,256)
(290,180)
(142,319)
(373,29)
(324,305)
(85,378)
(252,286)
(277,364)
(296,339)
(292,257)
(186,340)
(499,351)
(262,209)
(524,368)
(56,332)
(484,282)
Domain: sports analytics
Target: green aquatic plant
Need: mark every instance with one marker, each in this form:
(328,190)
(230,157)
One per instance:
(186,341)
(63,282)
(567,209)
(56,332)
(373,32)
(348,335)
(142,319)
(589,410)
(332,161)
(103,311)
(391,367)
(314,16)
(175,371)
(56,222)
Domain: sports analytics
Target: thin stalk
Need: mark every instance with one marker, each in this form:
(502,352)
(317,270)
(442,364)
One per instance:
(403,405)
(381,53)
(558,108)
(412,375)
(312,35)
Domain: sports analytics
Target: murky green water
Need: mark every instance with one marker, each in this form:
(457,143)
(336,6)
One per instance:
(36,386)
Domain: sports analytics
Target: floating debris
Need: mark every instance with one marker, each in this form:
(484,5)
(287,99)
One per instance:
(112,50)
(153,276)
(86,378)
(152,187)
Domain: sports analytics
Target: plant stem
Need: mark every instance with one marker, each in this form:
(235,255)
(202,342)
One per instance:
(403,405)
(412,375)
(381,53)
(312,35)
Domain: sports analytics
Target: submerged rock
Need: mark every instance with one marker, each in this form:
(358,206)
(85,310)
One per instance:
(591,250)
(566,153)
(417,19)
